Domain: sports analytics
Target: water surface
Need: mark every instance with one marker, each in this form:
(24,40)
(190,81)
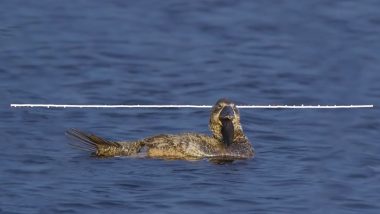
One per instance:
(190,52)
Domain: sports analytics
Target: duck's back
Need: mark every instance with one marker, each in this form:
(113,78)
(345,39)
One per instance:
(189,146)
(196,146)
(184,146)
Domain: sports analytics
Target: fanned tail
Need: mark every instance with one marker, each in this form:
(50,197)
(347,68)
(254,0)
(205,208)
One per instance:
(92,143)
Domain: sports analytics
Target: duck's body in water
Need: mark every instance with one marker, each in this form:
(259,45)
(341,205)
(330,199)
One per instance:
(227,143)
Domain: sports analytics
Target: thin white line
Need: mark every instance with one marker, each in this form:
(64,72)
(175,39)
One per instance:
(191,106)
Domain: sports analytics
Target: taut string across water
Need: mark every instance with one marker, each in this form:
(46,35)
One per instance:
(191,106)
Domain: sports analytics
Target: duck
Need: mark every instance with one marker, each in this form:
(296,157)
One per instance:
(226,143)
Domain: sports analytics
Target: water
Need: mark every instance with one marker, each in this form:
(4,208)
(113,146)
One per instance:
(190,52)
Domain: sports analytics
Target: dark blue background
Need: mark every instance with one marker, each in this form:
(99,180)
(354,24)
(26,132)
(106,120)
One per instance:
(190,52)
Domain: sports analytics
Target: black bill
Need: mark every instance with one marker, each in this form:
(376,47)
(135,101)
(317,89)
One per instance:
(226,116)
(227,131)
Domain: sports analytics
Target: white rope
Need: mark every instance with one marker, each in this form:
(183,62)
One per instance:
(191,106)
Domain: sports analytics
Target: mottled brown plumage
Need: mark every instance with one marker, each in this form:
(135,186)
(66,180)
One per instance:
(227,142)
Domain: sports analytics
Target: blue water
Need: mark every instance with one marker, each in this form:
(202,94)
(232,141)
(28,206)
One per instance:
(190,52)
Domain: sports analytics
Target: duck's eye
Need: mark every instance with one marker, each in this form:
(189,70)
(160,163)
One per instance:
(219,106)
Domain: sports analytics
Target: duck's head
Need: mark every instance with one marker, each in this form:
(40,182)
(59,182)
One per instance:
(225,122)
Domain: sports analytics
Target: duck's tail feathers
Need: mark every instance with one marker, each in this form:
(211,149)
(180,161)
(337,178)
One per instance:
(90,142)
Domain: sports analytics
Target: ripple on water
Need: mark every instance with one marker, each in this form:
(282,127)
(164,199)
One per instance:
(193,52)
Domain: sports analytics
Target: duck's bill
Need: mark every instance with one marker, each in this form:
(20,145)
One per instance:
(226,116)
(227,131)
